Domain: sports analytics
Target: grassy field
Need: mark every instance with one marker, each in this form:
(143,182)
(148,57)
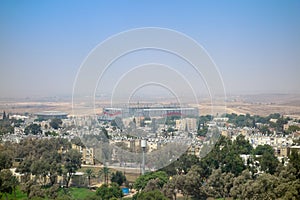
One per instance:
(19,195)
(74,193)
(78,193)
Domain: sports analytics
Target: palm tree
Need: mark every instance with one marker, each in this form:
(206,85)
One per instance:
(89,173)
(105,173)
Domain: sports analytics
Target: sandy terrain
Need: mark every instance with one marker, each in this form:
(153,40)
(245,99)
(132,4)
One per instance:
(252,104)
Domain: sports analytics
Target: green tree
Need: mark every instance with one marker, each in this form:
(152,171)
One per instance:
(193,183)
(295,162)
(105,174)
(239,184)
(261,188)
(218,184)
(5,160)
(267,161)
(77,141)
(27,186)
(89,173)
(105,132)
(151,195)
(142,180)
(37,192)
(153,184)
(292,129)
(25,168)
(182,165)
(241,146)
(6,127)
(202,131)
(4,115)
(33,129)
(118,178)
(261,149)
(6,182)
(55,123)
(107,192)
(172,187)
(72,162)
(288,184)
(265,130)
(233,163)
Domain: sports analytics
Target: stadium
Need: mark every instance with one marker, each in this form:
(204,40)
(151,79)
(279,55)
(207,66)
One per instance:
(112,113)
(51,115)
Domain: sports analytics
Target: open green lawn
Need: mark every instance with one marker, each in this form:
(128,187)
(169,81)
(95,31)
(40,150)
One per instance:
(74,193)
(79,193)
(19,195)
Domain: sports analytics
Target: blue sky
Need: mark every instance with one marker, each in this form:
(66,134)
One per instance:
(255,44)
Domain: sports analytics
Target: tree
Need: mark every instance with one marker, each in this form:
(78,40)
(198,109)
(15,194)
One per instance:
(89,173)
(233,163)
(55,123)
(26,187)
(202,131)
(292,129)
(6,182)
(239,184)
(4,115)
(172,187)
(241,145)
(33,129)
(52,192)
(288,184)
(77,141)
(193,183)
(109,191)
(105,173)
(151,195)
(72,162)
(5,127)
(25,168)
(262,188)
(261,149)
(267,161)
(5,160)
(219,184)
(36,191)
(39,169)
(104,131)
(295,162)
(142,180)
(14,184)
(153,184)
(182,164)
(118,178)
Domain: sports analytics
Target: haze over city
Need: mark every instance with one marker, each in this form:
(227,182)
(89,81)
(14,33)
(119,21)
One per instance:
(254,44)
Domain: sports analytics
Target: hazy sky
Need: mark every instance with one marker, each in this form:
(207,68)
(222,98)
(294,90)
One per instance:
(255,44)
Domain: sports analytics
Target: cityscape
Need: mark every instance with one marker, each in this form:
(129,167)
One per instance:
(149,100)
(116,138)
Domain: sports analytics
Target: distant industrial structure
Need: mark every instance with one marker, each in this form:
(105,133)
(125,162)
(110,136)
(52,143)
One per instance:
(147,111)
(51,115)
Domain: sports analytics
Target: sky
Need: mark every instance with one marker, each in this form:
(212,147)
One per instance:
(254,44)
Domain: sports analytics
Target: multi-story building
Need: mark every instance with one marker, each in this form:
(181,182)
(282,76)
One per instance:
(88,155)
(189,124)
